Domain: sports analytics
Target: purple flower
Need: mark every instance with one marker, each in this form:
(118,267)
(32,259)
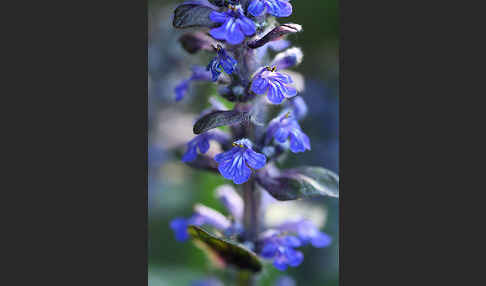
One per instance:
(285,127)
(199,73)
(274,84)
(231,200)
(235,26)
(179,226)
(277,8)
(307,233)
(222,62)
(299,107)
(202,216)
(201,142)
(281,250)
(234,164)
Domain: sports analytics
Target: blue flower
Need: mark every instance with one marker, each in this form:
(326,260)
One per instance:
(307,233)
(222,62)
(201,142)
(299,107)
(199,73)
(234,164)
(274,84)
(277,8)
(235,26)
(281,250)
(179,226)
(202,216)
(285,127)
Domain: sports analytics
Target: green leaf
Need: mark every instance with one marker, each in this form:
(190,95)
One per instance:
(301,183)
(219,118)
(224,251)
(192,15)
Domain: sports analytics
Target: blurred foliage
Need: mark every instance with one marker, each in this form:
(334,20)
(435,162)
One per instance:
(174,188)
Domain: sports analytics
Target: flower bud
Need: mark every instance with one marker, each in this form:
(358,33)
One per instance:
(276,34)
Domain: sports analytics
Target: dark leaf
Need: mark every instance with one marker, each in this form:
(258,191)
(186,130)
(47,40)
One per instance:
(276,34)
(192,15)
(197,41)
(219,3)
(219,118)
(226,252)
(300,183)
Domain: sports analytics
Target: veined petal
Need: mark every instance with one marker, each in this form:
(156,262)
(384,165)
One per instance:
(242,174)
(221,32)
(234,35)
(290,91)
(254,159)
(274,95)
(259,85)
(226,156)
(284,78)
(256,7)
(218,17)
(247,26)
(299,142)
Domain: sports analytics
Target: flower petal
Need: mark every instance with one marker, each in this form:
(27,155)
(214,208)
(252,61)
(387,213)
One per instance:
(190,155)
(299,142)
(281,135)
(254,159)
(274,94)
(259,85)
(181,89)
(290,91)
(203,145)
(256,7)
(247,26)
(321,240)
(221,32)
(218,17)
(269,250)
(234,35)
(179,226)
(226,156)
(242,174)
(294,258)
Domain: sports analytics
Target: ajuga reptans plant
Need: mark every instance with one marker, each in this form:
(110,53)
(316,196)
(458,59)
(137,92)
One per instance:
(263,126)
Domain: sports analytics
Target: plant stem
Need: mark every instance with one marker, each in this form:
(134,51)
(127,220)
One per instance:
(251,211)
(250,221)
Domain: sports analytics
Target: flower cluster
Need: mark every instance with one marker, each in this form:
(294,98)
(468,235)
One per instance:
(279,243)
(250,61)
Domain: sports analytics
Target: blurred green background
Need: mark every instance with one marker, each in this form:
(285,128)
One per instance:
(174,188)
